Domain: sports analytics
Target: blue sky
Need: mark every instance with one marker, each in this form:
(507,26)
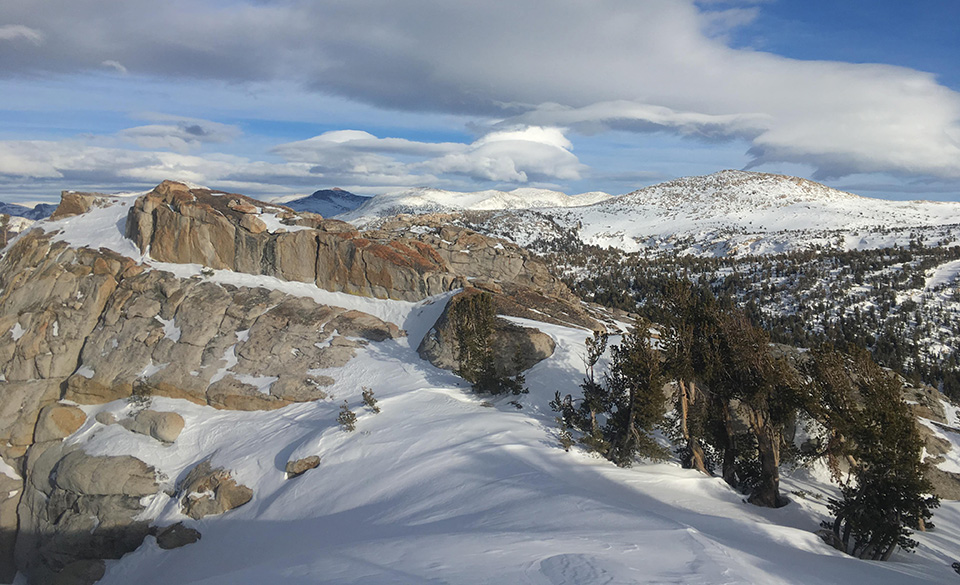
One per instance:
(270,97)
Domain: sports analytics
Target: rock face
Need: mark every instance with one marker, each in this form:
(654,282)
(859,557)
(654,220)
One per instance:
(206,491)
(78,509)
(516,348)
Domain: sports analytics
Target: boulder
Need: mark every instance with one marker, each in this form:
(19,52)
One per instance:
(301,466)
(125,475)
(57,421)
(176,535)
(162,426)
(516,348)
(206,491)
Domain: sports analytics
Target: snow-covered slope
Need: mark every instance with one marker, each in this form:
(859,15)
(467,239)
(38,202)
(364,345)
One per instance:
(425,200)
(326,202)
(444,486)
(738,212)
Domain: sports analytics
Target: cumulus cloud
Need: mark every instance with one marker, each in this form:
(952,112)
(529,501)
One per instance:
(12,32)
(668,60)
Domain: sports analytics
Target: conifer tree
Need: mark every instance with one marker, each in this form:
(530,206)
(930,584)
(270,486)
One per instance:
(347,418)
(873,428)
(370,401)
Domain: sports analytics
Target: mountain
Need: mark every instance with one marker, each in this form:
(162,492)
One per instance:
(424,200)
(173,370)
(326,202)
(727,213)
(38,211)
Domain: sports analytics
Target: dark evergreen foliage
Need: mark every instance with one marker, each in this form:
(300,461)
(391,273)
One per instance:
(473,318)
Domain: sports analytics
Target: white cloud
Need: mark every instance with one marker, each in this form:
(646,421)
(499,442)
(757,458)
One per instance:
(12,32)
(667,60)
(513,156)
(115,65)
(181,135)
(346,158)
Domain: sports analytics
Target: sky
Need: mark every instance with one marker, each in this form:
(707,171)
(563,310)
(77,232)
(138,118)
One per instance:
(277,97)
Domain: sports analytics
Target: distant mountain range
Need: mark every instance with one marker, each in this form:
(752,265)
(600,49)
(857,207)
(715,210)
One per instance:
(39,211)
(326,202)
(426,200)
(726,213)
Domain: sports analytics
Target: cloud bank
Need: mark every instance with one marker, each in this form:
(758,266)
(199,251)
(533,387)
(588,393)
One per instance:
(587,67)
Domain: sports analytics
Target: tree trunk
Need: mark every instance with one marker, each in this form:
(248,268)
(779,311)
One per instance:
(767,493)
(729,469)
(697,459)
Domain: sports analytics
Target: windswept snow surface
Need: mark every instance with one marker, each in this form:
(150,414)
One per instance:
(441,487)
(425,200)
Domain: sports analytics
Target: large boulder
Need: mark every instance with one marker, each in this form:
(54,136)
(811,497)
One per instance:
(206,491)
(78,509)
(515,348)
(162,426)
(57,421)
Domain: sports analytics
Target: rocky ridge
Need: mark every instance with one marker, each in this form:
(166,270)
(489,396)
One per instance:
(83,326)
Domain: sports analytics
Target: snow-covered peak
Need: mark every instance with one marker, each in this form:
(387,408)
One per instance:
(731,190)
(429,200)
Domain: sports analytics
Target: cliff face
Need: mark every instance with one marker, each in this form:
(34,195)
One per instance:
(85,326)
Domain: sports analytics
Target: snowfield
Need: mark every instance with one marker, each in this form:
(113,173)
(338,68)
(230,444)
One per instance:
(444,486)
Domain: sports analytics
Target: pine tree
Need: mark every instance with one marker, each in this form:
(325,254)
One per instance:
(872,427)
(347,418)
(370,401)
(635,389)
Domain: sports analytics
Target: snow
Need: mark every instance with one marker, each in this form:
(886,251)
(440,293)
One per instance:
(944,275)
(17,331)
(444,486)
(170,330)
(99,227)
(427,200)
(8,470)
(441,488)
(274,224)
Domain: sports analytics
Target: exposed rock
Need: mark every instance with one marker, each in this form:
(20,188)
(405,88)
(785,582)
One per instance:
(78,509)
(946,484)
(516,348)
(106,418)
(123,475)
(73,203)
(301,466)
(253,224)
(221,231)
(206,491)
(176,535)
(162,426)
(57,421)
(925,402)
(10,492)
